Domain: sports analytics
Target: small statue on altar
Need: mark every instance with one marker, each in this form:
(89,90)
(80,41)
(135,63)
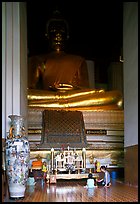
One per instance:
(98,166)
(44,170)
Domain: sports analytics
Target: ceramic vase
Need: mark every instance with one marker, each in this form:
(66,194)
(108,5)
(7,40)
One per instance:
(17,157)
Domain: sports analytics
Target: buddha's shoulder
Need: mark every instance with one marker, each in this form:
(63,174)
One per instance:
(54,55)
(75,56)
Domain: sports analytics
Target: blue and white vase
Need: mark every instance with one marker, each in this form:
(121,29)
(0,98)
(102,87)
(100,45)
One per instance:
(17,157)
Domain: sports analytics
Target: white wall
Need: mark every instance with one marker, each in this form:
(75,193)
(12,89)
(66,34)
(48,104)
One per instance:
(23,63)
(14,62)
(3,70)
(130,53)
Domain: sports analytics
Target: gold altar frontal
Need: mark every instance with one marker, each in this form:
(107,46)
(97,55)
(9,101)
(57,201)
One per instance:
(104,128)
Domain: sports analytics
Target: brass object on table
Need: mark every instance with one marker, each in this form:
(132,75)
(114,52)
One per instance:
(91,159)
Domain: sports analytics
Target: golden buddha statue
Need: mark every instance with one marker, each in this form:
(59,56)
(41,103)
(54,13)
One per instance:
(60,80)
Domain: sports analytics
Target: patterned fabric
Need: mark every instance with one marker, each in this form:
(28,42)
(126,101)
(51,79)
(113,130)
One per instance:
(63,127)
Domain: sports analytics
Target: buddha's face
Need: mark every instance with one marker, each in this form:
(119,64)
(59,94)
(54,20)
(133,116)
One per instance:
(57,35)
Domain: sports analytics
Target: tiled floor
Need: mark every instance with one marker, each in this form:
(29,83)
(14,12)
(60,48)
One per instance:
(74,191)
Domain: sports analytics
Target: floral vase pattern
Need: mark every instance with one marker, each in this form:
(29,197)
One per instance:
(17,157)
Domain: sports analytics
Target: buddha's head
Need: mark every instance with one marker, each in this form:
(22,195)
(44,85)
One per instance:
(57,31)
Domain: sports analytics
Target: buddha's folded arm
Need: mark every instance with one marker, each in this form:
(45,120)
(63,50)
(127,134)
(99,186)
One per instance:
(82,98)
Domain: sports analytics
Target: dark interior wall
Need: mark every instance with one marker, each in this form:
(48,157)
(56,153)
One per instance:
(95,30)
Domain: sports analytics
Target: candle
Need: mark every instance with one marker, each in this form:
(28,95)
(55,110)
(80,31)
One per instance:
(52,158)
(52,149)
(84,150)
(84,157)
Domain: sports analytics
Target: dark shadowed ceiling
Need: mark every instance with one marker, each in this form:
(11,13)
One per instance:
(95,29)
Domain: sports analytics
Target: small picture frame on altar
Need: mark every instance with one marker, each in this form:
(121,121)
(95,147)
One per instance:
(52,178)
